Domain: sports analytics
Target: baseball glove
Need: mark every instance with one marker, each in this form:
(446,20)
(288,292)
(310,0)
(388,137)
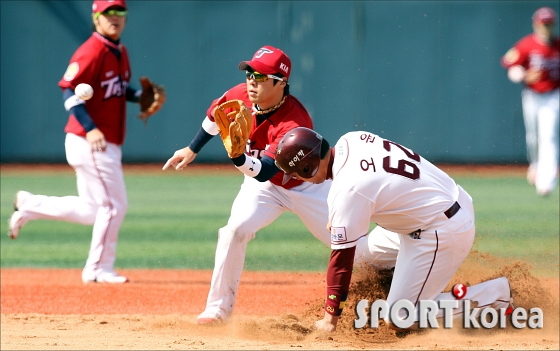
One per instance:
(151,99)
(235,123)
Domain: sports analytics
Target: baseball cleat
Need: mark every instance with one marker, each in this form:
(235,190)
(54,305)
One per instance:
(107,277)
(16,220)
(20,198)
(14,224)
(209,319)
(511,307)
(112,278)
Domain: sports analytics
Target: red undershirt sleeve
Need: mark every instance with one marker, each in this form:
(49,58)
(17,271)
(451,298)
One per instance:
(339,274)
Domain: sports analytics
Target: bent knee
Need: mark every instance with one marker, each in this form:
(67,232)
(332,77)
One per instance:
(236,234)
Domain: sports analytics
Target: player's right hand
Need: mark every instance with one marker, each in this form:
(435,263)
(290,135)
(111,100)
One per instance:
(327,324)
(180,159)
(532,75)
(96,139)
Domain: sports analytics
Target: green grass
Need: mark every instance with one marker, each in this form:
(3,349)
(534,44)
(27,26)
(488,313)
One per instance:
(513,222)
(172,222)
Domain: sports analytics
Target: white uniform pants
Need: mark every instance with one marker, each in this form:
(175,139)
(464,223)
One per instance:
(426,265)
(540,113)
(257,205)
(101,201)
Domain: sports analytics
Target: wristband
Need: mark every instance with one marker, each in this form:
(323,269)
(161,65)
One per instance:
(250,167)
(335,303)
(72,101)
(210,126)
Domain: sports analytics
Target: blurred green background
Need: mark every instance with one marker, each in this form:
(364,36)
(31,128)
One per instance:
(173,218)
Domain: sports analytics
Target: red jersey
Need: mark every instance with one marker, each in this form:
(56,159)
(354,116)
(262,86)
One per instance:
(93,63)
(529,52)
(265,137)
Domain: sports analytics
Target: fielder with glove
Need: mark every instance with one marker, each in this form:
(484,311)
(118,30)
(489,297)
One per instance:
(94,134)
(250,138)
(534,61)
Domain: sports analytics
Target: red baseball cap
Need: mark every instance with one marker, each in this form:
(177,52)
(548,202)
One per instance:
(102,5)
(544,15)
(269,60)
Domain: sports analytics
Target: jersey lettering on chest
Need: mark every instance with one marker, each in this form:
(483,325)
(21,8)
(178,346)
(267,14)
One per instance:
(255,152)
(114,87)
(540,62)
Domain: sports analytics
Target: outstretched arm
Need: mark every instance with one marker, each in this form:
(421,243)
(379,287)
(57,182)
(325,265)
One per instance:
(339,274)
(181,158)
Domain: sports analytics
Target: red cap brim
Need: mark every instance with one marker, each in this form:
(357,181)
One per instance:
(256,66)
(101,6)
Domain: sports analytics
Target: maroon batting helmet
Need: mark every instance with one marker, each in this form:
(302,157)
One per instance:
(299,152)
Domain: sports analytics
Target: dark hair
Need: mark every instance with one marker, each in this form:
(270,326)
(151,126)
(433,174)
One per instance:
(286,87)
(325,147)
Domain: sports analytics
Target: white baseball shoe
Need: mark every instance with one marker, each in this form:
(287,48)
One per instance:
(16,219)
(106,277)
(14,224)
(511,307)
(210,318)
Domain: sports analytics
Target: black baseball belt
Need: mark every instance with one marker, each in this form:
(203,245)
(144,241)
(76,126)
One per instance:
(450,212)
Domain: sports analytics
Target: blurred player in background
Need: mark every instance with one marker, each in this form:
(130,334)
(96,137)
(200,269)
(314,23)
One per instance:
(94,134)
(264,196)
(535,62)
(377,180)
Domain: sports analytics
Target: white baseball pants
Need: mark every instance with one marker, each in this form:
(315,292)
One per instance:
(426,265)
(101,201)
(540,113)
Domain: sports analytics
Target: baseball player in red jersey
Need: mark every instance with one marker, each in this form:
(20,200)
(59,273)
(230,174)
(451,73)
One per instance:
(535,62)
(94,134)
(377,180)
(263,196)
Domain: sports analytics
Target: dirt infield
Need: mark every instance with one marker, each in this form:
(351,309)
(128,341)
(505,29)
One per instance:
(52,309)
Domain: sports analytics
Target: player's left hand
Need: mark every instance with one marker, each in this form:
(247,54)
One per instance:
(235,123)
(152,98)
(327,324)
